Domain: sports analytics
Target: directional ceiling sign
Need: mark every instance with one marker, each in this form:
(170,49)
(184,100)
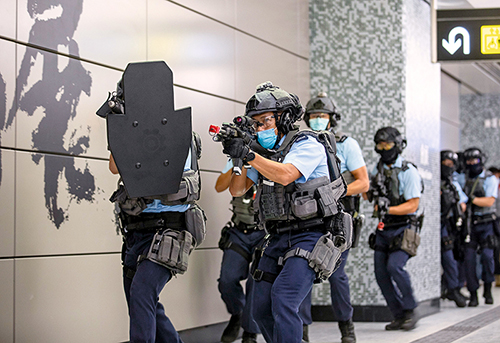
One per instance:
(468,35)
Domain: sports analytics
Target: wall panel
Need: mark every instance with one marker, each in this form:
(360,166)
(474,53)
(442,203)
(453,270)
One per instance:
(222,10)
(70,299)
(8,22)
(216,207)
(7,89)
(58,101)
(7,202)
(111,32)
(199,50)
(68,203)
(7,301)
(192,299)
(281,20)
(450,137)
(258,62)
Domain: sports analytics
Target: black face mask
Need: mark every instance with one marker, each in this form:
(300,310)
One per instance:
(388,156)
(474,170)
(446,172)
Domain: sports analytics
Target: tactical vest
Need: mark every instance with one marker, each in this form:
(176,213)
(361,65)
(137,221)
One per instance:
(314,198)
(449,198)
(243,211)
(475,187)
(391,182)
(189,189)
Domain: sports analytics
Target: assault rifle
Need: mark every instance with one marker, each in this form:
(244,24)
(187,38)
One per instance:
(241,127)
(376,194)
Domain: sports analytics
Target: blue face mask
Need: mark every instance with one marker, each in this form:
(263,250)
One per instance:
(318,123)
(267,138)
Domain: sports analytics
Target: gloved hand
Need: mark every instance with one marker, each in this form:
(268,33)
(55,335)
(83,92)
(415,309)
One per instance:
(236,148)
(383,205)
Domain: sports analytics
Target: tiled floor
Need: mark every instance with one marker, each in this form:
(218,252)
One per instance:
(427,329)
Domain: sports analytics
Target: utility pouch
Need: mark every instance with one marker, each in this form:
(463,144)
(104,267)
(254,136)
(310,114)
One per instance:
(196,223)
(357,223)
(130,206)
(171,249)
(324,257)
(410,242)
(224,236)
(189,190)
(447,243)
(371,240)
(328,197)
(304,204)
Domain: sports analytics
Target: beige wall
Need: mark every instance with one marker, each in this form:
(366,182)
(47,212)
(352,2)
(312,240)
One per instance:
(59,251)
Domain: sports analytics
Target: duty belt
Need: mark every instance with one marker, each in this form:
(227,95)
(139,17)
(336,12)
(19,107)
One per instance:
(296,226)
(487,218)
(246,228)
(393,222)
(149,221)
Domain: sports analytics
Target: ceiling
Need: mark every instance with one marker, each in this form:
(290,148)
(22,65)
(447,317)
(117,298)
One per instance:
(476,77)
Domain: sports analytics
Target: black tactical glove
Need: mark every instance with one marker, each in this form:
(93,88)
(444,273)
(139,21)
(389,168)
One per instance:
(236,148)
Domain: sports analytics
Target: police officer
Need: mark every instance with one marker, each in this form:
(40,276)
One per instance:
(399,187)
(144,279)
(284,274)
(321,114)
(453,201)
(482,189)
(238,241)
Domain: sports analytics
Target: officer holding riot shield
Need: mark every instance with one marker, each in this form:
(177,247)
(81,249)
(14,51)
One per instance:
(453,201)
(482,189)
(321,114)
(156,154)
(295,176)
(239,239)
(395,189)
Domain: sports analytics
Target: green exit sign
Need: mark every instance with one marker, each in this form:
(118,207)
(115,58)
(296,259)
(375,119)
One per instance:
(467,35)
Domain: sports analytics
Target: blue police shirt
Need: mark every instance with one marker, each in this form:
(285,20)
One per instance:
(410,185)
(350,155)
(307,155)
(157,207)
(229,165)
(463,197)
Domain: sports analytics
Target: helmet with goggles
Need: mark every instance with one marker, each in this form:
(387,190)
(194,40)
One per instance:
(270,98)
(321,103)
(473,153)
(449,155)
(387,135)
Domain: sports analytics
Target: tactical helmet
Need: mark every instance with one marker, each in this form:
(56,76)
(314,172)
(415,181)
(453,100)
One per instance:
(270,98)
(475,153)
(321,103)
(449,155)
(390,134)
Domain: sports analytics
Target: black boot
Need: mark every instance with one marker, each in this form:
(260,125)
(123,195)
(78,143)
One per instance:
(396,324)
(411,320)
(473,302)
(347,331)
(305,333)
(488,297)
(457,297)
(249,337)
(232,329)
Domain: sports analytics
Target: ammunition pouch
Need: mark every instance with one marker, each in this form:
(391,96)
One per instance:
(130,206)
(447,243)
(329,195)
(196,223)
(171,249)
(350,203)
(189,190)
(324,259)
(357,223)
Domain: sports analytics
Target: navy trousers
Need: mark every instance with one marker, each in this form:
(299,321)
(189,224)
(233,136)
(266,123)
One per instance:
(276,305)
(479,234)
(148,321)
(392,278)
(234,268)
(449,264)
(339,293)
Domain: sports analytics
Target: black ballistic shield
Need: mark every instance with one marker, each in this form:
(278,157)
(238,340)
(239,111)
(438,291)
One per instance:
(150,141)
